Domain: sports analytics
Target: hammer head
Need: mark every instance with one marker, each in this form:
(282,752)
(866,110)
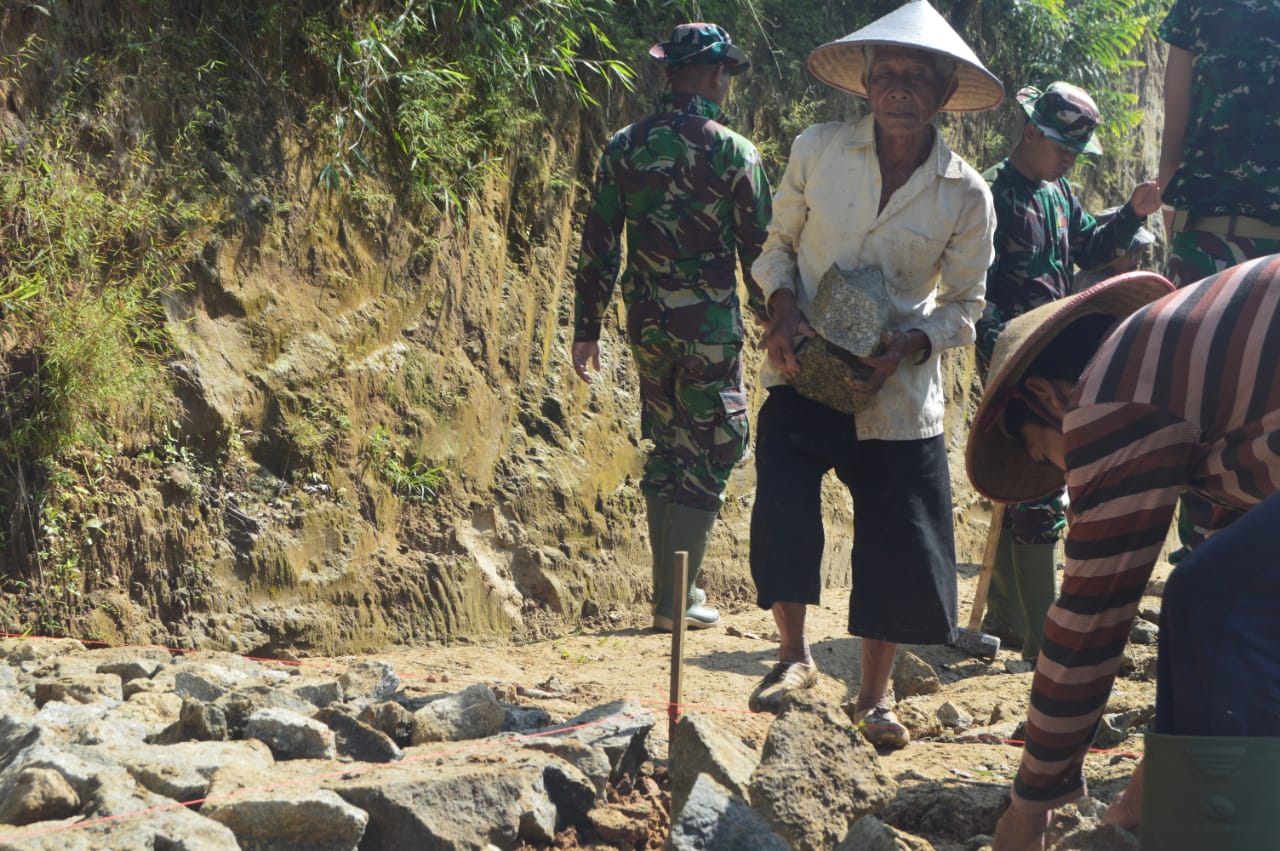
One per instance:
(978,644)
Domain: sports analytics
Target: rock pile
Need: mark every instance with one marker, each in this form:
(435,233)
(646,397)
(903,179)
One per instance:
(136,748)
(127,748)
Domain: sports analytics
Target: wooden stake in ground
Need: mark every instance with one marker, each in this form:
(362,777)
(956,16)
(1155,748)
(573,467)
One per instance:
(679,592)
(988,564)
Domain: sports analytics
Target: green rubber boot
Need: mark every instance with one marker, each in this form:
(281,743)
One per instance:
(1210,792)
(657,510)
(687,529)
(1004,613)
(1033,565)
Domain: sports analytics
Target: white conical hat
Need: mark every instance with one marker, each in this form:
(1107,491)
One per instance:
(842,64)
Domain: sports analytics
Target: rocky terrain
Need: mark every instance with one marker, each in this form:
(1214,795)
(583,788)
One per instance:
(556,744)
(377,448)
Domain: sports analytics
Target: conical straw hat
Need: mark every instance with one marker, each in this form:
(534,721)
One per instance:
(842,64)
(999,466)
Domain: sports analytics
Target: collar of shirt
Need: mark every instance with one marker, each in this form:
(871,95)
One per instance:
(946,164)
(1061,184)
(862,134)
(693,104)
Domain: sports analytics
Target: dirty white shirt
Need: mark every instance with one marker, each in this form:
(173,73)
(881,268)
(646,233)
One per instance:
(933,243)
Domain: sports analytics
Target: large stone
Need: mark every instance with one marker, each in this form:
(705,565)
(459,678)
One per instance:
(699,747)
(68,719)
(116,812)
(207,682)
(620,729)
(197,720)
(17,650)
(390,718)
(85,688)
(290,735)
(851,308)
(17,729)
(617,828)
(715,819)
(817,776)
(154,711)
(288,817)
(871,834)
(356,740)
(369,679)
(242,703)
(319,693)
(37,794)
(112,730)
(944,811)
(471,714)
(828,374)
(524,719)
(495,795)
(13,702)
(184,770)
(913,675)
(131,669)
(954,717)
(140,819)
(590,760)
(1144,632)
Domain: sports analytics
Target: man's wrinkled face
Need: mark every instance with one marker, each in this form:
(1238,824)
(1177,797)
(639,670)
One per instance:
(904,88)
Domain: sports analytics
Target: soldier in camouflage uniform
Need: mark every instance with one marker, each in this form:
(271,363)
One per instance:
(1042,232)
(1219,158)
(1136,258)
(694,200)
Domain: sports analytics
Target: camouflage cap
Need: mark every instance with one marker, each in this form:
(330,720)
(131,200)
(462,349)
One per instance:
(700,44)
(1065,113)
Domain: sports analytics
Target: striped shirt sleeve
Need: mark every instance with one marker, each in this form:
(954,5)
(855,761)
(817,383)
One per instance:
(1127,464)
(1183,395)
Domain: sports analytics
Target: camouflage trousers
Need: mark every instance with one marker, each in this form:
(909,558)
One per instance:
(1195,255)
(1038,522)
(693,408)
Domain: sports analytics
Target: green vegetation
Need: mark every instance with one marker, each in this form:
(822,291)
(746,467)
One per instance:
(439,87)
(151,131)
(414,481)
(1087,42)
(138,140)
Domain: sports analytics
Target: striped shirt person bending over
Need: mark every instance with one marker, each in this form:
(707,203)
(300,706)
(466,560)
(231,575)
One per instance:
(1133,394)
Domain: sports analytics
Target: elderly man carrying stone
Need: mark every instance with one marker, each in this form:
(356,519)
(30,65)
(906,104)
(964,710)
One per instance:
(882,192)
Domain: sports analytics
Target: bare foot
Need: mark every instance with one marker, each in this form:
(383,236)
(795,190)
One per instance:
(1126,811)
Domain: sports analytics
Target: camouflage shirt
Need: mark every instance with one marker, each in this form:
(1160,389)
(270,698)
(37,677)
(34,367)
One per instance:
(694,198)
(1041,232)
(1230,157)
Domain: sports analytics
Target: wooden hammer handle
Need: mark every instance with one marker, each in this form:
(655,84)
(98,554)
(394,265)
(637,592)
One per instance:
(988,564)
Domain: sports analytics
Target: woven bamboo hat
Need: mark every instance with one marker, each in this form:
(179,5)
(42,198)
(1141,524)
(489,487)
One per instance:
(842,63)
(999,466)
